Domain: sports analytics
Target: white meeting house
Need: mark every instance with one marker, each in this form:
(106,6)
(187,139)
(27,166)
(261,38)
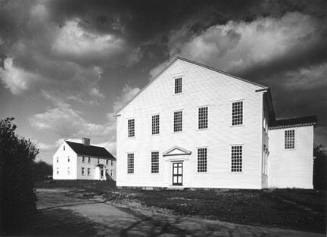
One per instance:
(194,126)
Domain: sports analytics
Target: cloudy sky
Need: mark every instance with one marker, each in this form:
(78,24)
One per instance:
(67,65)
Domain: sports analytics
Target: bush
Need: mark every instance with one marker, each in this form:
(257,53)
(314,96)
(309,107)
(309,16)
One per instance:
(41,171)
(16,181)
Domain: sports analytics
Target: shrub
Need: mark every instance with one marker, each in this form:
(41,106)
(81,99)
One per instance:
(16,182)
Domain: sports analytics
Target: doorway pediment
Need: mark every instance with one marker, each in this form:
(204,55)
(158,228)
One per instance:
(177,151)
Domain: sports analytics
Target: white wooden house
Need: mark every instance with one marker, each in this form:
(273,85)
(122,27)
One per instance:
(194,126)
(83,161)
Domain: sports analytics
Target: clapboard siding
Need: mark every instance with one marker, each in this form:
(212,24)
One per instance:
(291,168)
(201,87)
(63,163)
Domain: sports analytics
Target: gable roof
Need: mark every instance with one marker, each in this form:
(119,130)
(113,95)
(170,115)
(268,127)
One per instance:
(89,150)
(195,63)
(293,122)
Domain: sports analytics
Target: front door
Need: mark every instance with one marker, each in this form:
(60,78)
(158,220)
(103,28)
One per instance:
(101,173)
(178,173)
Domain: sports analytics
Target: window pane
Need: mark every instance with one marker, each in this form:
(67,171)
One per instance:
(178,85)
(178,121)
(131,127)
(289,139)
(237,113)
(202,160)
(154,162)
(130,163)
(155,124)
(236,159)
(203,117)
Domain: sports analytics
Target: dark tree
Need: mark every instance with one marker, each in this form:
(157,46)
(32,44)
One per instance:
(16,181)
(41,170)
(320,168)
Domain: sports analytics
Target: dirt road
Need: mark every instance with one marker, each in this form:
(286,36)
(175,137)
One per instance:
(82,214)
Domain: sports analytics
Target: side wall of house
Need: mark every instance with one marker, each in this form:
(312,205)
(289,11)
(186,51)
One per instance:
(64,163)
(201,87)
(291,168)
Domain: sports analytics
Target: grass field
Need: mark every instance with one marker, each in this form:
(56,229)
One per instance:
(285,208)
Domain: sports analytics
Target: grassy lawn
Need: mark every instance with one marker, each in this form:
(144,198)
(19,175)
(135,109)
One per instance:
(286,208)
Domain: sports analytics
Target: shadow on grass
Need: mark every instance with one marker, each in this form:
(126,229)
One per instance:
(60,222)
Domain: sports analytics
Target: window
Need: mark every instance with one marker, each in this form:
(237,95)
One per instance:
(155,124)
(83,159)
(57,170)
(289,139)
(111,173)
(237,113)
(89,160)
(155,162)
(203,117)
(57,159)
(202,160)
(178,85)
(236,158)
(131,128)
(68,158)
(178,121)
(130,163)
(112,163)
(106,162)
(68,171)
(98,160)
(83,171)
(64,147)
(88,171)
(107,171)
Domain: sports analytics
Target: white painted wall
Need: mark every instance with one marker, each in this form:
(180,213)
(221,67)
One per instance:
(201,87)
(92,165)
(60,163)
(291,168)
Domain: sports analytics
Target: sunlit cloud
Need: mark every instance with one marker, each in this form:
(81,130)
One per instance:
(16,79)
(73,40)
(238,46)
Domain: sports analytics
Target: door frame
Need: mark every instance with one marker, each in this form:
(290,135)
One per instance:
(179,165)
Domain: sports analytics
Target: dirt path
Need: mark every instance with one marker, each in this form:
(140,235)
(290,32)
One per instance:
(132,219)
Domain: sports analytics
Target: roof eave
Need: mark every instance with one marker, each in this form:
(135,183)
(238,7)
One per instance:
(292,125)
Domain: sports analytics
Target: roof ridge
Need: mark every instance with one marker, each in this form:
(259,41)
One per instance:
(84,144)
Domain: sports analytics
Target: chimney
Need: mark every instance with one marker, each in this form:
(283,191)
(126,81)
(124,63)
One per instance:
(86,141)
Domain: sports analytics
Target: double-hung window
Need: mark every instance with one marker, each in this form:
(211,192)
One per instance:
(178,121)
(289,139)
(131,128)
(155,162)
(237,113)
(130,163)
(178,85)
(236,158)
(203,117)
(202,159)
(155,124)
(83,171)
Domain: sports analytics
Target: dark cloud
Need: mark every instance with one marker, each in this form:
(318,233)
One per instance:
(71,48)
